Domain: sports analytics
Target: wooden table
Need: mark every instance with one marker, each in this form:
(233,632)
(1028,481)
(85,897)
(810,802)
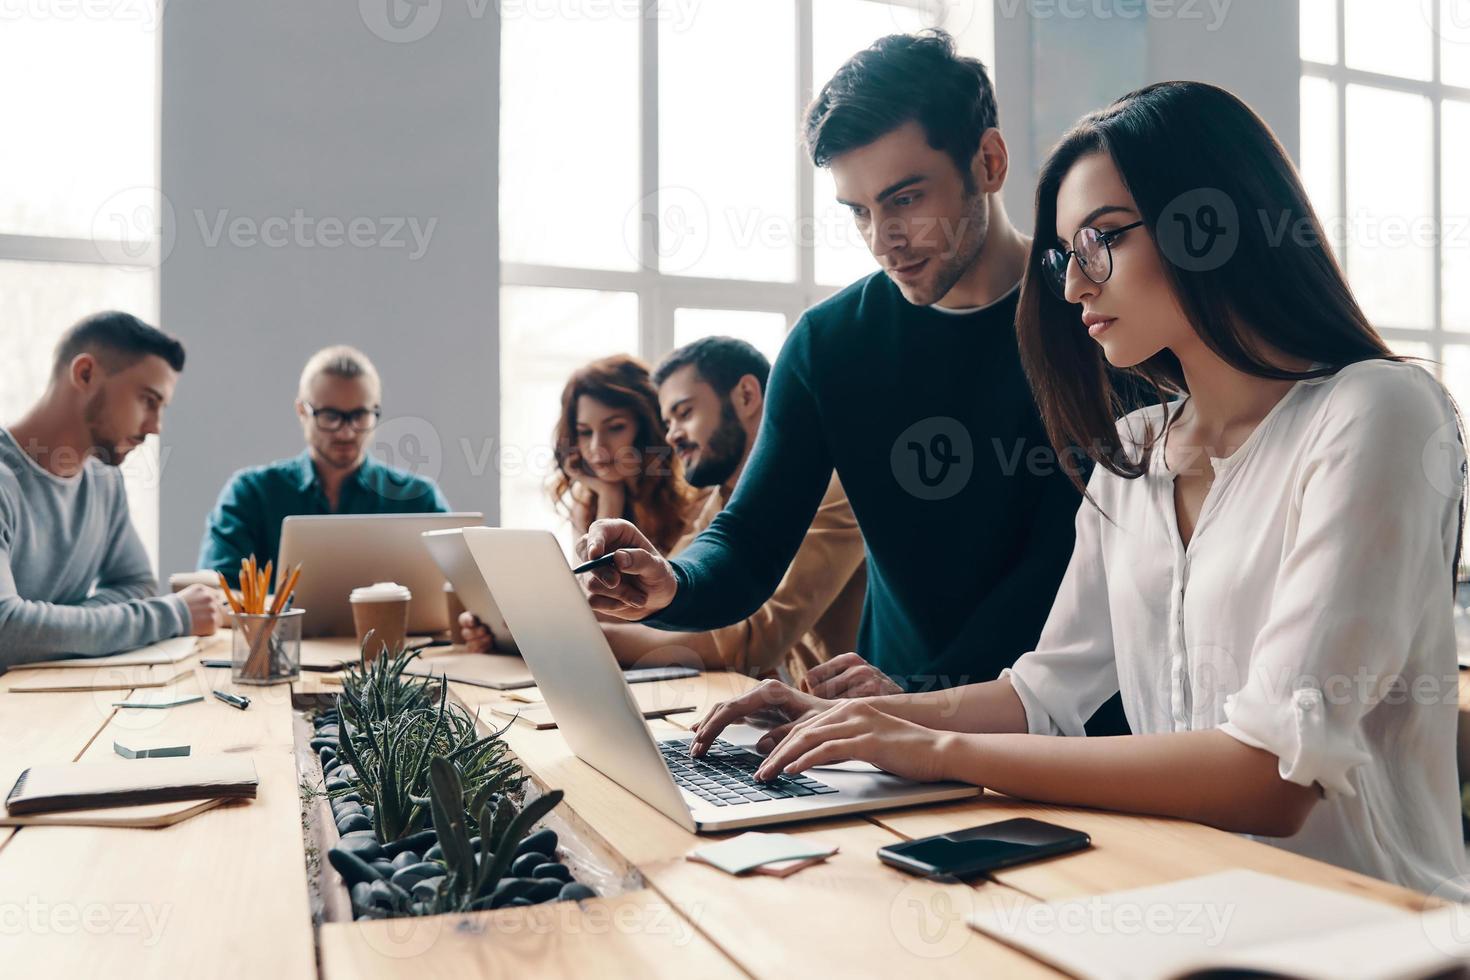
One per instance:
(225,893)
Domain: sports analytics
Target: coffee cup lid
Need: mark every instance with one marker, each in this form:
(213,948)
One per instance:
(380,592)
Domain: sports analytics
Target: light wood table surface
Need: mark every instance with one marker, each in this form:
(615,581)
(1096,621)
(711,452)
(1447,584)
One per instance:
(225,893)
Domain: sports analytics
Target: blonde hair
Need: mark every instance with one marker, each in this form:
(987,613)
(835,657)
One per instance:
(339,361)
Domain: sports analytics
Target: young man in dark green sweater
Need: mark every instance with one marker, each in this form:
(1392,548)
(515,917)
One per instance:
(909,384)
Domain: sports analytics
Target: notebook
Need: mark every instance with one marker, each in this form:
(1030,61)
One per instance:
(100,678)
(1232,921)
(90,785)
(164,652)
(148,816)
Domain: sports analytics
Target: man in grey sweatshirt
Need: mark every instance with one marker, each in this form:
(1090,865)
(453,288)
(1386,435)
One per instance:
(74,577)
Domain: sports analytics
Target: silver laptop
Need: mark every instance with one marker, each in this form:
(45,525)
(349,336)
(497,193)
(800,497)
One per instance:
(452,555)
(579,678)
(340,552)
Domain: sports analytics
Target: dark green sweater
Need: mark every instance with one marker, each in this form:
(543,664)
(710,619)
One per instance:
(933,430)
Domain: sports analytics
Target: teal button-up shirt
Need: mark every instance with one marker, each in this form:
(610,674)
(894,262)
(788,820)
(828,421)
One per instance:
(247,519)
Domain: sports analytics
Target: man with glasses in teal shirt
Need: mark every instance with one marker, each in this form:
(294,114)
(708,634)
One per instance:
(338,404)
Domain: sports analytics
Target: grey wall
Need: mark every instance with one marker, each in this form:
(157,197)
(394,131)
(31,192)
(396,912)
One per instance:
(304,113)
(1056,59)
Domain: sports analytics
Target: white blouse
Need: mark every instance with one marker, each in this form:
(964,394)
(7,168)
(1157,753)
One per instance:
(1310,614)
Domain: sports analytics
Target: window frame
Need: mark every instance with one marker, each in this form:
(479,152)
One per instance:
(1340,76)
(661,293)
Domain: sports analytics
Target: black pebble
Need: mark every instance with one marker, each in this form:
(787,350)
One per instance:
(575,891)
(545,889)
(353,869)
(411,875)
(542,841)
(552,870)
(510,888)
(523,866)
(427,888)
(362,843)
(413,842)
(352,822)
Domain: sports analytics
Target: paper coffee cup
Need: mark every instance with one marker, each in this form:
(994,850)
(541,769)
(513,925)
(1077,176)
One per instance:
(455,607)
(383,609)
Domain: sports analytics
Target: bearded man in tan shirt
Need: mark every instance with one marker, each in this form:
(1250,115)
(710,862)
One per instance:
(712,397)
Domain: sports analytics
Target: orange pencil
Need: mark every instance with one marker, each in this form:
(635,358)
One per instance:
(229,593)
(284,593)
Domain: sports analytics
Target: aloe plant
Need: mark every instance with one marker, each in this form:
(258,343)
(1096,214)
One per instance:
(471,878)
(390,761)
(377,689)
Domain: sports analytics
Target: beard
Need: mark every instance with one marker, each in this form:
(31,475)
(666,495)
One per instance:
(952,265)
(722,453)
(105,446)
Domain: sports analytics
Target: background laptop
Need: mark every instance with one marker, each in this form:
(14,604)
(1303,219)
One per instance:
(340,552)
(579,677)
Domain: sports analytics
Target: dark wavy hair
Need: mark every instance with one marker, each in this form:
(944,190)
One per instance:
(1285,290)
(659,501)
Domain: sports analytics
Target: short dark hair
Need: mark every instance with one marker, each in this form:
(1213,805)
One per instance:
(117,340)
(720,361)
(900,78)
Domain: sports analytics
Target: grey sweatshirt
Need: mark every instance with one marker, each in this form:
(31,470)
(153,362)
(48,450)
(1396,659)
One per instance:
(74,578)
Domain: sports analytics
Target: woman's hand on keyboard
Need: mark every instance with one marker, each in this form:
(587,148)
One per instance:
(770,698)
(856,730)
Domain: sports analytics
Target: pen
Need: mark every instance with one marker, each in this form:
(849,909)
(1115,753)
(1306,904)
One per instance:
(595,563)
(234,700)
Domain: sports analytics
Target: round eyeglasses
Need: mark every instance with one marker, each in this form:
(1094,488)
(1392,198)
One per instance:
(1094,252)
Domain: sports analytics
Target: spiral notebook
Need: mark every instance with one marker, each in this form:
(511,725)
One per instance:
(90,785)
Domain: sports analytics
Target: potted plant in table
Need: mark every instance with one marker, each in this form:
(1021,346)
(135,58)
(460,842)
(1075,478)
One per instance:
(410,778)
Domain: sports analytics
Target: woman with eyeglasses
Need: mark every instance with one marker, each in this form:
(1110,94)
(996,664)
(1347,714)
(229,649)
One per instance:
(338,405)
(1264,561)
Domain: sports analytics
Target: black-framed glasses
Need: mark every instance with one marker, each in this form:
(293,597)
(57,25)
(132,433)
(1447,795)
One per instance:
(332,419)
(1094,252)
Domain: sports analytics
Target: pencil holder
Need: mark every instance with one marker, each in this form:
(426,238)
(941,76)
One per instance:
(266,649)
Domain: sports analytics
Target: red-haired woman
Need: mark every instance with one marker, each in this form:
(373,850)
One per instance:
(612,460)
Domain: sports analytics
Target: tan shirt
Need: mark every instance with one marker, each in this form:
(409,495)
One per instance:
(815,612)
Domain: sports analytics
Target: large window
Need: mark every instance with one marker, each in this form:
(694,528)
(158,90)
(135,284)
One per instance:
(654,189)
(79,212)
(1385,135)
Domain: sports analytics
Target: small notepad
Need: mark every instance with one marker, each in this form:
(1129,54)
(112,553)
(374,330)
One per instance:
(751,851)
(158,699)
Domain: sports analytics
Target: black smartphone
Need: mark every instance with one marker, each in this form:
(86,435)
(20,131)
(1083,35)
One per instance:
(973,852)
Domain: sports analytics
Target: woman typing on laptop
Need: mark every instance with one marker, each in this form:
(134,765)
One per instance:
(1264,562)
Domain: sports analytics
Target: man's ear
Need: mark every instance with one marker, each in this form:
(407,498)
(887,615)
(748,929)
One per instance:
(301,409)
(747,397)
(84,371)
(991,163)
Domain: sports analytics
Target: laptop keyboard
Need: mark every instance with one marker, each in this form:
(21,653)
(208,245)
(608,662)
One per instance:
(725,775)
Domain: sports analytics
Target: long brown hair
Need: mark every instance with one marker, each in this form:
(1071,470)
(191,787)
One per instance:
(1168,140)
(659,501)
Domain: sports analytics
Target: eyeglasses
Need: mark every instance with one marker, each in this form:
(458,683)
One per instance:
(1094,253)
(331,419)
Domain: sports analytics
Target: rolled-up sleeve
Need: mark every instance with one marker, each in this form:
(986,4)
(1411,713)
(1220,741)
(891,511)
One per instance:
(1375,515)
(1072,671)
